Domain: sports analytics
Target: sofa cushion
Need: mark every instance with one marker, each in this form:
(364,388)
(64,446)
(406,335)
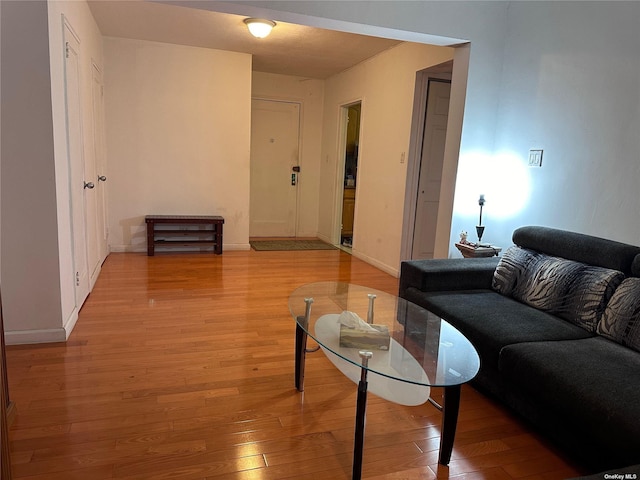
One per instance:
(590,384)
(490,320)
(578,247)
(571,290)
(447,274)
(621,319)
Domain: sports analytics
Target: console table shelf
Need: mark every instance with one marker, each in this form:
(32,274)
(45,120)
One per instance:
(473,251)
(201,231)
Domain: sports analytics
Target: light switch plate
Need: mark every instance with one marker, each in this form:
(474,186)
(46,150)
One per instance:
(535,158)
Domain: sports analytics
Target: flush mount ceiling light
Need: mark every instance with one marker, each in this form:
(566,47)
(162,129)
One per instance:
(258,27)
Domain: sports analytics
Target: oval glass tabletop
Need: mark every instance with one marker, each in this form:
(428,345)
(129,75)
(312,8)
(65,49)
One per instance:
(407,342)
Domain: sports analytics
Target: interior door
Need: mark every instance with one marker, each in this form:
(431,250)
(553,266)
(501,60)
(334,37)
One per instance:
(97,93)
(91,207)
(76,164)
(435,132)
(275,128)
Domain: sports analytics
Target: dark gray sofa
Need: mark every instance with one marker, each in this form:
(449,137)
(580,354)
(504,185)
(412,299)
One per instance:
(556,323)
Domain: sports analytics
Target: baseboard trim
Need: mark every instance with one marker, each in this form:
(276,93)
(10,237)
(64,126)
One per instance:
(23,337)
(325,239)
(365,258)
(48,335)
(143,249)
(128,248)
(70,323)
(236,247)
(372,261)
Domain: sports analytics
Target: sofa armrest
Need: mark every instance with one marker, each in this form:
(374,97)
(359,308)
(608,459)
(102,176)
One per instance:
(447,274)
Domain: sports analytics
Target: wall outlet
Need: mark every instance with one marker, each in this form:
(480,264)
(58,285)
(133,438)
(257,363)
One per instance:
(535,158)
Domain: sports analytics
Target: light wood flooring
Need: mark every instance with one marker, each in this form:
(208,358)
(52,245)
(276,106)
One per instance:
(181,367)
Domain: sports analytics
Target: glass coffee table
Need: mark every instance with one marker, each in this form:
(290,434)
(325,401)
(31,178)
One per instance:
(397,350)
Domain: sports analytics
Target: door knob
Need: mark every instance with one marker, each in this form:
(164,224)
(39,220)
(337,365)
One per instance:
(89,185)
(102,178)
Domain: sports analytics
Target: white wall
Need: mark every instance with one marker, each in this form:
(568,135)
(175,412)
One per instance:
(571,85)
(30,270)
(178,137)
(386,85)
(309,93)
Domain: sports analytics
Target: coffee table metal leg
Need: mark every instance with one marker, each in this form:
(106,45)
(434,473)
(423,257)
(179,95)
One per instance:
(361,410)
(449,422)
(302,323)
(301,350)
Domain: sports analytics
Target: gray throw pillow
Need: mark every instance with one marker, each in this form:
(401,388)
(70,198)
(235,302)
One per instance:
(515,265)
(621,319)
(574,291)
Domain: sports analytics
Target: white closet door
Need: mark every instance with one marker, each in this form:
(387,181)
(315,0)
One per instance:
(75,149)
(97,93)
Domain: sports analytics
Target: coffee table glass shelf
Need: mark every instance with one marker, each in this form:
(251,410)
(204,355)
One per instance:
(422,351)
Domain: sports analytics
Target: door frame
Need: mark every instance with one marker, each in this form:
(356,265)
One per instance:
(420,159)
(300,178)
(341,147)
(414,160)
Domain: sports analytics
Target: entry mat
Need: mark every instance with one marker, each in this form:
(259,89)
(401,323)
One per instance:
(266,245)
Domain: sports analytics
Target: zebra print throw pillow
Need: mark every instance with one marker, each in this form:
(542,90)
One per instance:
(571,290)
(621,319)
(514,266)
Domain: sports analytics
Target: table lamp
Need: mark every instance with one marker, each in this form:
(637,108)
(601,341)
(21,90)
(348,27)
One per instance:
(479,227)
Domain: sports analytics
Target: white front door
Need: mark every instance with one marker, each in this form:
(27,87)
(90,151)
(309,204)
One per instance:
(435,132)
(76,164)
(275,128)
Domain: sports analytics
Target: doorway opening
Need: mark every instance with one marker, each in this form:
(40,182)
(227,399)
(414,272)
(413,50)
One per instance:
(349,175)
(426,182)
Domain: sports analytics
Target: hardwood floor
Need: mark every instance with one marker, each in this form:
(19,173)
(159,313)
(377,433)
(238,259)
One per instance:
(181,367)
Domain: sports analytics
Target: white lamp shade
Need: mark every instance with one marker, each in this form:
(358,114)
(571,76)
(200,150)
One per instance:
(259,28)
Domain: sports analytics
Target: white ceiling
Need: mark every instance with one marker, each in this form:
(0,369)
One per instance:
(290,49)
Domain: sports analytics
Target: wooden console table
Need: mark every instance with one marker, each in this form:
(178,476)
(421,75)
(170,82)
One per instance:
(166,231)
